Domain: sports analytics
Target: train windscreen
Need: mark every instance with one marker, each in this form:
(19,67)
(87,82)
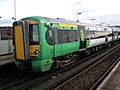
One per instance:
(33,34)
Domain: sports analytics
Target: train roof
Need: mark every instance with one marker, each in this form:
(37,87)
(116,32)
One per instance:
(115,27)
(74,23)
(63,21)
(59,20)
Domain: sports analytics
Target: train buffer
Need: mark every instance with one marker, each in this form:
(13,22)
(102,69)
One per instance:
(112,82)
(6,59)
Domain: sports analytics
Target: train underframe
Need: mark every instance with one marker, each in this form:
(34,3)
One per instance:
(62,61)
(71,58)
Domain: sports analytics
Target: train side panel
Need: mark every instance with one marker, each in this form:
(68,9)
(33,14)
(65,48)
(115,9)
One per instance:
(69,39)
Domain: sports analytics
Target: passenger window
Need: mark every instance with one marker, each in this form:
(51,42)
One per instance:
(64,36)
(72,35)
(56,36)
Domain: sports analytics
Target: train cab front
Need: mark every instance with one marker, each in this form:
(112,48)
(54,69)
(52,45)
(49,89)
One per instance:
(26,43)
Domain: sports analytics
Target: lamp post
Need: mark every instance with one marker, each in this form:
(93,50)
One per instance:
(0,31)
(0,16)
(102,23)
(92,20)
(14,18)
(108,24)
(78,16)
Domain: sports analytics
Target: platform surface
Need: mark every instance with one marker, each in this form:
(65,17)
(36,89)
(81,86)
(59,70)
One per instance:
(6,59)
(112,82)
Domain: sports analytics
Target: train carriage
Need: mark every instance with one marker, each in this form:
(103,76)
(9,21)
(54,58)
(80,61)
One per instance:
(41,42)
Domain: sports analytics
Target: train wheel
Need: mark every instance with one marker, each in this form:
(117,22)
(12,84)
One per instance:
(88,51)
(109,45)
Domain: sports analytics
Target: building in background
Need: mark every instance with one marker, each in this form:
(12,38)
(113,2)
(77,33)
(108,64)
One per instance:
(6,33)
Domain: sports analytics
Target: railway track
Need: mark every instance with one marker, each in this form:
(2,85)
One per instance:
(10,75)
(6,59)
(96,85)
(53,79)
(90,78)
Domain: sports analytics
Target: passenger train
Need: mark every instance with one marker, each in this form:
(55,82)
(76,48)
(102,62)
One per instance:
(43,43)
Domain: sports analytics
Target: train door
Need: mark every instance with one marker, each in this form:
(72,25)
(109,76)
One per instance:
(0,35)
(21,40)
(57,45)
(82,37)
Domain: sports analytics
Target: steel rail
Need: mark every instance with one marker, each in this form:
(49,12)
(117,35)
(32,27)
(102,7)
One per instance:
(103,57)
(96,85)
(59,79)
(62,72)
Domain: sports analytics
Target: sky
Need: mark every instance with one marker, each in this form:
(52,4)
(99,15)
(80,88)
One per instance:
(103,11)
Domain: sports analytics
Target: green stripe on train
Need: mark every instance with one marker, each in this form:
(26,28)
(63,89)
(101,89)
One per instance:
(87,43)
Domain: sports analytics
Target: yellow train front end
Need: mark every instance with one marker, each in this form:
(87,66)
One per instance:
(26,43)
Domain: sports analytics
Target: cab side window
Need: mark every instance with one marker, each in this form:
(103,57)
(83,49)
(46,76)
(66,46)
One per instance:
(50,37)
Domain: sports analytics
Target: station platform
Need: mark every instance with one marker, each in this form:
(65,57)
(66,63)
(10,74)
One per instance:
(6,59)
(112,82)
